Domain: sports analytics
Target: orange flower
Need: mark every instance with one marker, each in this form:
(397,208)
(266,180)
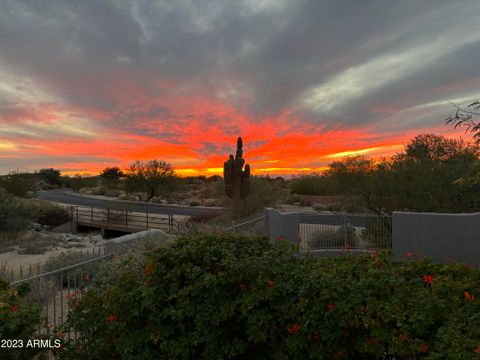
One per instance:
(117,257)
(423,348)
(295,328)
(279,238)
(469,297)
(148,270)
(477,350)
(271,283)
(111,317)
(331,306)
(427,279)
(13,308)
(373,254)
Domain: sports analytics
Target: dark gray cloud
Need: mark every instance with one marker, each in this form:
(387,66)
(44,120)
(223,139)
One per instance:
(145,67)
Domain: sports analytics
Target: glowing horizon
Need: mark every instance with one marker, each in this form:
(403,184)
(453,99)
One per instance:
(304,83)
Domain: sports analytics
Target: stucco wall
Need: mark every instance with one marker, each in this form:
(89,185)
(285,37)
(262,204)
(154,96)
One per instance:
(442,237)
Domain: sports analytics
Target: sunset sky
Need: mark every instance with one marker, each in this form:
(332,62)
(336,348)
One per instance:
(86,84)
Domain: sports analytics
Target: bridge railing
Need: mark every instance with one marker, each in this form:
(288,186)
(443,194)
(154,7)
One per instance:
(123,218)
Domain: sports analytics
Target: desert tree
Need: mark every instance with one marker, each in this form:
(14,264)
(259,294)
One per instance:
(111,176)
(50,176)
(152,176)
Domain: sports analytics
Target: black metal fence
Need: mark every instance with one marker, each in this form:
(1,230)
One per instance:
(57,291)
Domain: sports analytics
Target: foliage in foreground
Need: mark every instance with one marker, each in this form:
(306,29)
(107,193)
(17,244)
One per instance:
(227,296)
(18,320)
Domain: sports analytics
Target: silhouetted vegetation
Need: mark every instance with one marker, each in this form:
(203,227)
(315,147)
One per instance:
(154,176)
(426,176)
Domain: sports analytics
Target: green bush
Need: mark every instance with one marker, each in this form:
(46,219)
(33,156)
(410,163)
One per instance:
(313,184)
(18,184)
(51,214)
(19,319)
(227,296)
(15,214)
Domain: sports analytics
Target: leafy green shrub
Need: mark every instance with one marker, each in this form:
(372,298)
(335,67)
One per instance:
(15,214)
(313,184)
(19,319)
(226,296)
(52,215)
(18,184)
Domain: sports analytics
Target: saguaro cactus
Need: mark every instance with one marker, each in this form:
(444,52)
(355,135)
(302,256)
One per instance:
(236,179)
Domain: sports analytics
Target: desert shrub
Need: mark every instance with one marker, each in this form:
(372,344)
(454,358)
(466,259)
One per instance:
(313,184)
(113,192)
(18,184)
(194,202)
(19,319)
(264,192)
(35,243)
(51,214)
(224,296)
(15,214)
(293,199)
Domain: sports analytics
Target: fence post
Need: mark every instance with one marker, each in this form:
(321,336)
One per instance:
(71,219)
(126,218)
(147,219)
(345,231)
(91,214)
(108,216)
(170,222)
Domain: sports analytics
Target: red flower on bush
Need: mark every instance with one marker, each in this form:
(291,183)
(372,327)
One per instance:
(117,257)
(148,270)
(86,278)
(111,317)
(427,279)
(477,350)
(242,286)
(423,348)
(295,328)
(68,296)
(330,306)
(13,308)
(271,283)
(409,255)
(279,238)
(469,297)
(403,337)
(373,254)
